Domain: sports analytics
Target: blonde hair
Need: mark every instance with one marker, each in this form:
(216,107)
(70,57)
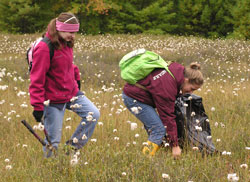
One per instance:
(194,74)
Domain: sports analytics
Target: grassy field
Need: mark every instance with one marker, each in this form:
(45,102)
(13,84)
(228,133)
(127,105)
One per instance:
(114,153)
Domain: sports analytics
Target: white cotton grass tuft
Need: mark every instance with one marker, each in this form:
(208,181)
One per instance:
(166,145)
(134,110)
(73,99)
(226,153)
(67,127)
(75,140)
(116,138)
(209,137)
(46,103)
(84,137)
(74,161)
(2,102)
(93,140)
(165,176)
(21,93)
(68,119)
(40,127)
(232,177)
(137,135)
(77,153)
(100,123)
(8,167)
(24,105)
(244,166)
(198,128)
(3,87)
(75,106)
(89,118)
(145,143)
(195,148)
(133,126)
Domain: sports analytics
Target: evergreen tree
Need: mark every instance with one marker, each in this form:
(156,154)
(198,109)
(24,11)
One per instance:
(92,15)
(241,19)
(213,18)
(29,16)
(157,18)
(19,16)
(189,14)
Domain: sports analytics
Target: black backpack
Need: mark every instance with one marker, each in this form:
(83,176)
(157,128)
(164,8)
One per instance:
(29,53)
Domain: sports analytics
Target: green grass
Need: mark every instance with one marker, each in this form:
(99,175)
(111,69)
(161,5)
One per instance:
(225,64)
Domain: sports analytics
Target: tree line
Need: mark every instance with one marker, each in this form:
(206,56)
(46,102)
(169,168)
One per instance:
(205,18)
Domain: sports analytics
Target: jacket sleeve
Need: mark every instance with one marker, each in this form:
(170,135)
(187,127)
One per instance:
(77,73)
(40,66)
(165,104)
(166,113)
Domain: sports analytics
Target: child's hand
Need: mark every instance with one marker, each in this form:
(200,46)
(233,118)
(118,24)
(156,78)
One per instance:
(176,151)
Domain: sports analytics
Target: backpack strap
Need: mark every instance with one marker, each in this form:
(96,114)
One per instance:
(50,45)
(167,69)
(141,86)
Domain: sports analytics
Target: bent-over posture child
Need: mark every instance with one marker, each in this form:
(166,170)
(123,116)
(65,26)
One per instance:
(153,102)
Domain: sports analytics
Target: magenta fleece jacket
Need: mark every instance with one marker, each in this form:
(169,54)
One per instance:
(162,92)
(52,80)
(77,73)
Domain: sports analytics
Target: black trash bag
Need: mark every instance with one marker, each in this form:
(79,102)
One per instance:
(193,124)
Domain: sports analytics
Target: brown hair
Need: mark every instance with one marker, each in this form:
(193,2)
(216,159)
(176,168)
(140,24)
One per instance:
(194,74)
(55,37)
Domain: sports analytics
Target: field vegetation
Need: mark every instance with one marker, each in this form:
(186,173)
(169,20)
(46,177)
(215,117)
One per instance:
(114,152)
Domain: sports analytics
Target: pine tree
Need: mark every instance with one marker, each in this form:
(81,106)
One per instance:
(189,12)
(241,19)
(19,16)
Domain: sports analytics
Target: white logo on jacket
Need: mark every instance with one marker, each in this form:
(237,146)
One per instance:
(159,75)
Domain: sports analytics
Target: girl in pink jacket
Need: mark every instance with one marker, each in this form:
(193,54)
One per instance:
(55,81)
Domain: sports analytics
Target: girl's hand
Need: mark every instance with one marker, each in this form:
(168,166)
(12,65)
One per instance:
(176,151)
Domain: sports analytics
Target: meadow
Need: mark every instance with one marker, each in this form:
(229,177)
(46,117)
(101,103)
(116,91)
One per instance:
(114,152)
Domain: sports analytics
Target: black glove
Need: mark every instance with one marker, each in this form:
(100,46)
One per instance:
(79,84)
(38,115)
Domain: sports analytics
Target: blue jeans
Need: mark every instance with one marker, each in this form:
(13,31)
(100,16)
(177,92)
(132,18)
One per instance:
(53,122)
(149,117)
